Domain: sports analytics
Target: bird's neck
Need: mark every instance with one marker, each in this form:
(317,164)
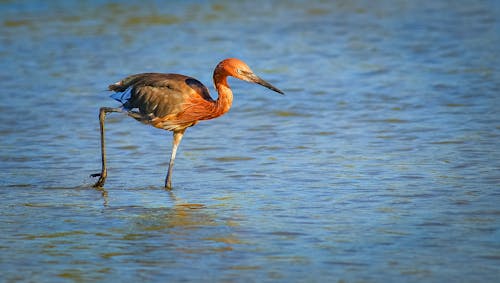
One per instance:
(225,98)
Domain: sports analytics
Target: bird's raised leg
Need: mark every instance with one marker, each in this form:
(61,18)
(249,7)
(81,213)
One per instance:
(104,172)
(175,143)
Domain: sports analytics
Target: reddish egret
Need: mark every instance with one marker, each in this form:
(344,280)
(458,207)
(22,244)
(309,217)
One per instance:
(174,103)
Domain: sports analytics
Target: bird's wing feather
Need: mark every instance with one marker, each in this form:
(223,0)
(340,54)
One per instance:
(158,95)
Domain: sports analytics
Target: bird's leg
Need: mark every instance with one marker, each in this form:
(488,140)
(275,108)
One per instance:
(175,143)
(104,171)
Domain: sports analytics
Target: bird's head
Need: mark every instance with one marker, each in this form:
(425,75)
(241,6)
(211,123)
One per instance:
(236,68)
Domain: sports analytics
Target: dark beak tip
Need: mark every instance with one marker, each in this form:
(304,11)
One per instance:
(277,90)
(280,92)
(270,86)
(256,79)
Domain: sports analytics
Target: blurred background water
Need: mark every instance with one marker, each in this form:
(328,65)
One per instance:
(380,164)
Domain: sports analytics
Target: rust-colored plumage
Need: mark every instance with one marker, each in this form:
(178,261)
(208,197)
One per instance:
(174,102)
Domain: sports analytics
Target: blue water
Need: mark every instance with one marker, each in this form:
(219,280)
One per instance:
(380,164)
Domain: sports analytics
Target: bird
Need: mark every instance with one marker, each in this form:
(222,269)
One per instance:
(174,102)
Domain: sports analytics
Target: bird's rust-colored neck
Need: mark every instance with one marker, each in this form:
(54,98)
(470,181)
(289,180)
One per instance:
(225,98)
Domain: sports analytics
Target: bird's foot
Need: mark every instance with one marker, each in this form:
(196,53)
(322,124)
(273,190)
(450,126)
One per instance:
(102,179)
(168,186)
(99,183)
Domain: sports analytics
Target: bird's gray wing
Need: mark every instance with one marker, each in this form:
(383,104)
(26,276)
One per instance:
(158,95)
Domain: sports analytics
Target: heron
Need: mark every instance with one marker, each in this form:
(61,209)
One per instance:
(174,102)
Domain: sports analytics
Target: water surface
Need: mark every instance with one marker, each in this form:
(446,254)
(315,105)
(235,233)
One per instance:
(380,164)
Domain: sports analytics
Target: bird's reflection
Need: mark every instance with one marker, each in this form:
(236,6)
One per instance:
(104,195)
(180,215)
(183,228)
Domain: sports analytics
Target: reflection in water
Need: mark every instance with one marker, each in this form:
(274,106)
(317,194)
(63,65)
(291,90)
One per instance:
(104,195)
(193,223)
(185,215)
(161,237)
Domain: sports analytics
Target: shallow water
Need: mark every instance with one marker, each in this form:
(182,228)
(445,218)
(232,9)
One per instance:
(380,164)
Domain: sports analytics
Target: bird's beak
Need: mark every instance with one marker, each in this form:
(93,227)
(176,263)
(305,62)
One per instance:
(251,77)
